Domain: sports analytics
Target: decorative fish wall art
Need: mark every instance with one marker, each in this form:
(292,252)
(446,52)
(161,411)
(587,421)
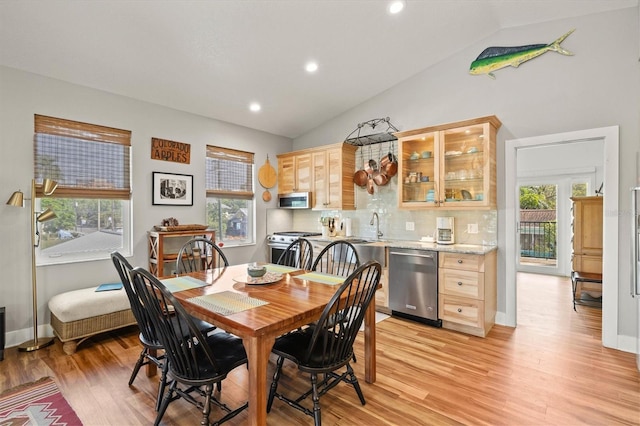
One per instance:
(495,58)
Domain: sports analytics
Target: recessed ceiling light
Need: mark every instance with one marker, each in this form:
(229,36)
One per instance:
(311,67)
(396,6)
(255,107)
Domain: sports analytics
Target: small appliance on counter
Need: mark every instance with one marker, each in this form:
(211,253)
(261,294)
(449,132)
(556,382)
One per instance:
(444,230)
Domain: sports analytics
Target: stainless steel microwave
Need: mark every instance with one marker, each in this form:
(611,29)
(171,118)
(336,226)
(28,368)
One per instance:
(295,200)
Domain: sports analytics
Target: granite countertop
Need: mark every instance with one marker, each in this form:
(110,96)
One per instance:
(416,245)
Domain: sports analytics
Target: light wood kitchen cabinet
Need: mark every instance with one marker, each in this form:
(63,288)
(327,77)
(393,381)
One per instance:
(451,165)
(294,172)
(326,171)
(165,245)
(587,234)
(467,292)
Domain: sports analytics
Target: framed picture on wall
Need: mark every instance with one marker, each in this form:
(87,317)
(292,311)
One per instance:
(171,189)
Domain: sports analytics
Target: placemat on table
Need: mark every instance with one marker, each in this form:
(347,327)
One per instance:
(182,283)
(227,302)
(280,268)
(322,278)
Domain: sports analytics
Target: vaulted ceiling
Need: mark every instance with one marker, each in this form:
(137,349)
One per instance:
(214,58)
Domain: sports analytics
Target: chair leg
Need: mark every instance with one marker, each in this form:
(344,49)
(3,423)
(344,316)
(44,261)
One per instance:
(316,400)
(274,383)
(139,364)
(163,383)
(206,409)
(165,403)
(354,381)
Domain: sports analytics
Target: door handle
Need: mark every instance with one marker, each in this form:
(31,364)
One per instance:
(428,256)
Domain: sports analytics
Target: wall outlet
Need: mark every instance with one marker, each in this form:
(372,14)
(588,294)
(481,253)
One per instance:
(472,228)
(410,226)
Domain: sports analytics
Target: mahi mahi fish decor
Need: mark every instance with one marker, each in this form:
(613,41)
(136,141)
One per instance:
(495,58)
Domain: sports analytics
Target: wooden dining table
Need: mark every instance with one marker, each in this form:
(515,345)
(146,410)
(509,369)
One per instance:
(292,301)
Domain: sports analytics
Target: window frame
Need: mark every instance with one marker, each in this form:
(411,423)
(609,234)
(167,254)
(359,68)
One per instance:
(221,187)
(57,142)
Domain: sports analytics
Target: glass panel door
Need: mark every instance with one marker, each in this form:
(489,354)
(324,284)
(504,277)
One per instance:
(538,229)
(465,161)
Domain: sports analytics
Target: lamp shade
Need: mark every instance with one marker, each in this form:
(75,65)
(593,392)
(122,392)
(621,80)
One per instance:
(16,199)
(46,215)
(48,186)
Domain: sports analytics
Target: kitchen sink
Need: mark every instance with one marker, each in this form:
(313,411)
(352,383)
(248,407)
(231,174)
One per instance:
(371,250)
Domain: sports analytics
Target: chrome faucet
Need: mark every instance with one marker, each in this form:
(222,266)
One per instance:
(377,220)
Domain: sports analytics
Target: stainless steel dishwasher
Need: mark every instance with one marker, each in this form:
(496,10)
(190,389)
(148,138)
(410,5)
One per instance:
(413,285)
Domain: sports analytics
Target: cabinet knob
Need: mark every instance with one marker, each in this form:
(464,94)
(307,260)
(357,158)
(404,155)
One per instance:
(459,310)
(459,282)
(459,260)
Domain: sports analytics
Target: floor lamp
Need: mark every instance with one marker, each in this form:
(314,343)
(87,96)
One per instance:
(17,200)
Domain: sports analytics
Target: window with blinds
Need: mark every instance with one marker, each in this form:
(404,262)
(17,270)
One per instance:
(229,172)
(87,160)
(92,166)
(229,187)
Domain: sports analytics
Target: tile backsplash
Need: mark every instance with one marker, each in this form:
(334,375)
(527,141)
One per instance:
(393,221)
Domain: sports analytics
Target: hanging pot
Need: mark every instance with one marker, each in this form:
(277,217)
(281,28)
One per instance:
(389,163)
(371,166)
(370,184)
(361,177)
(380,179)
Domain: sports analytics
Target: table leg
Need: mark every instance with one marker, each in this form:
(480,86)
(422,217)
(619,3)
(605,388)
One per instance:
(370,343)
(152,369)
(258,350)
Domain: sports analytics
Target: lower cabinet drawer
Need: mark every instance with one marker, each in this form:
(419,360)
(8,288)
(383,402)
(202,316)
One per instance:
(462,283)
(461,310)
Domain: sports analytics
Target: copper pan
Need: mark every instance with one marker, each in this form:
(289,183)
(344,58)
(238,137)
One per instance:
(389,163)
(360,177)
(380,178)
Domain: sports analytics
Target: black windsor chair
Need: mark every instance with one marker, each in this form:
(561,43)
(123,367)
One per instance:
(196,362)
(328,347)
(299,254)
(199,254)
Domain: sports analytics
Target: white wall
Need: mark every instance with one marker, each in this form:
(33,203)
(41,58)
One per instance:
(21,96)
(598,87)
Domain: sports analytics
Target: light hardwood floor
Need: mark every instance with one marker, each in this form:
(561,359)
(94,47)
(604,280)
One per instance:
(551,369)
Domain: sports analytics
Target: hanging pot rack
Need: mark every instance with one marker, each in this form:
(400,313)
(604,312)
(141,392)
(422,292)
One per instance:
(374,138)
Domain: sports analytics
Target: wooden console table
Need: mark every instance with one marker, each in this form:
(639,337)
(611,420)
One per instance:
(164,247)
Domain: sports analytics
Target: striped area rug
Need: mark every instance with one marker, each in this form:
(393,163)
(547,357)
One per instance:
(38,403)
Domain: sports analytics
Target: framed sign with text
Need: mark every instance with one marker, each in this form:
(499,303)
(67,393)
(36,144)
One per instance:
(166,150)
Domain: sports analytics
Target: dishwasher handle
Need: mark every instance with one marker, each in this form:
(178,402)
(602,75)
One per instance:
(397,253)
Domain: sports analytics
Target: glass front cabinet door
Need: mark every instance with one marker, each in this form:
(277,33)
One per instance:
(451,166)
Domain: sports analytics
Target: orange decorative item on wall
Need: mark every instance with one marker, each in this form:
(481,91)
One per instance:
(267,176)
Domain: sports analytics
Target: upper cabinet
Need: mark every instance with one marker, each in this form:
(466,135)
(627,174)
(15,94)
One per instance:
(449,166)
(326,172)
(294,173)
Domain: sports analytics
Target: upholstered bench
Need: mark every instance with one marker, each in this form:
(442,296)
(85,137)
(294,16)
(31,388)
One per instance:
(79,314)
